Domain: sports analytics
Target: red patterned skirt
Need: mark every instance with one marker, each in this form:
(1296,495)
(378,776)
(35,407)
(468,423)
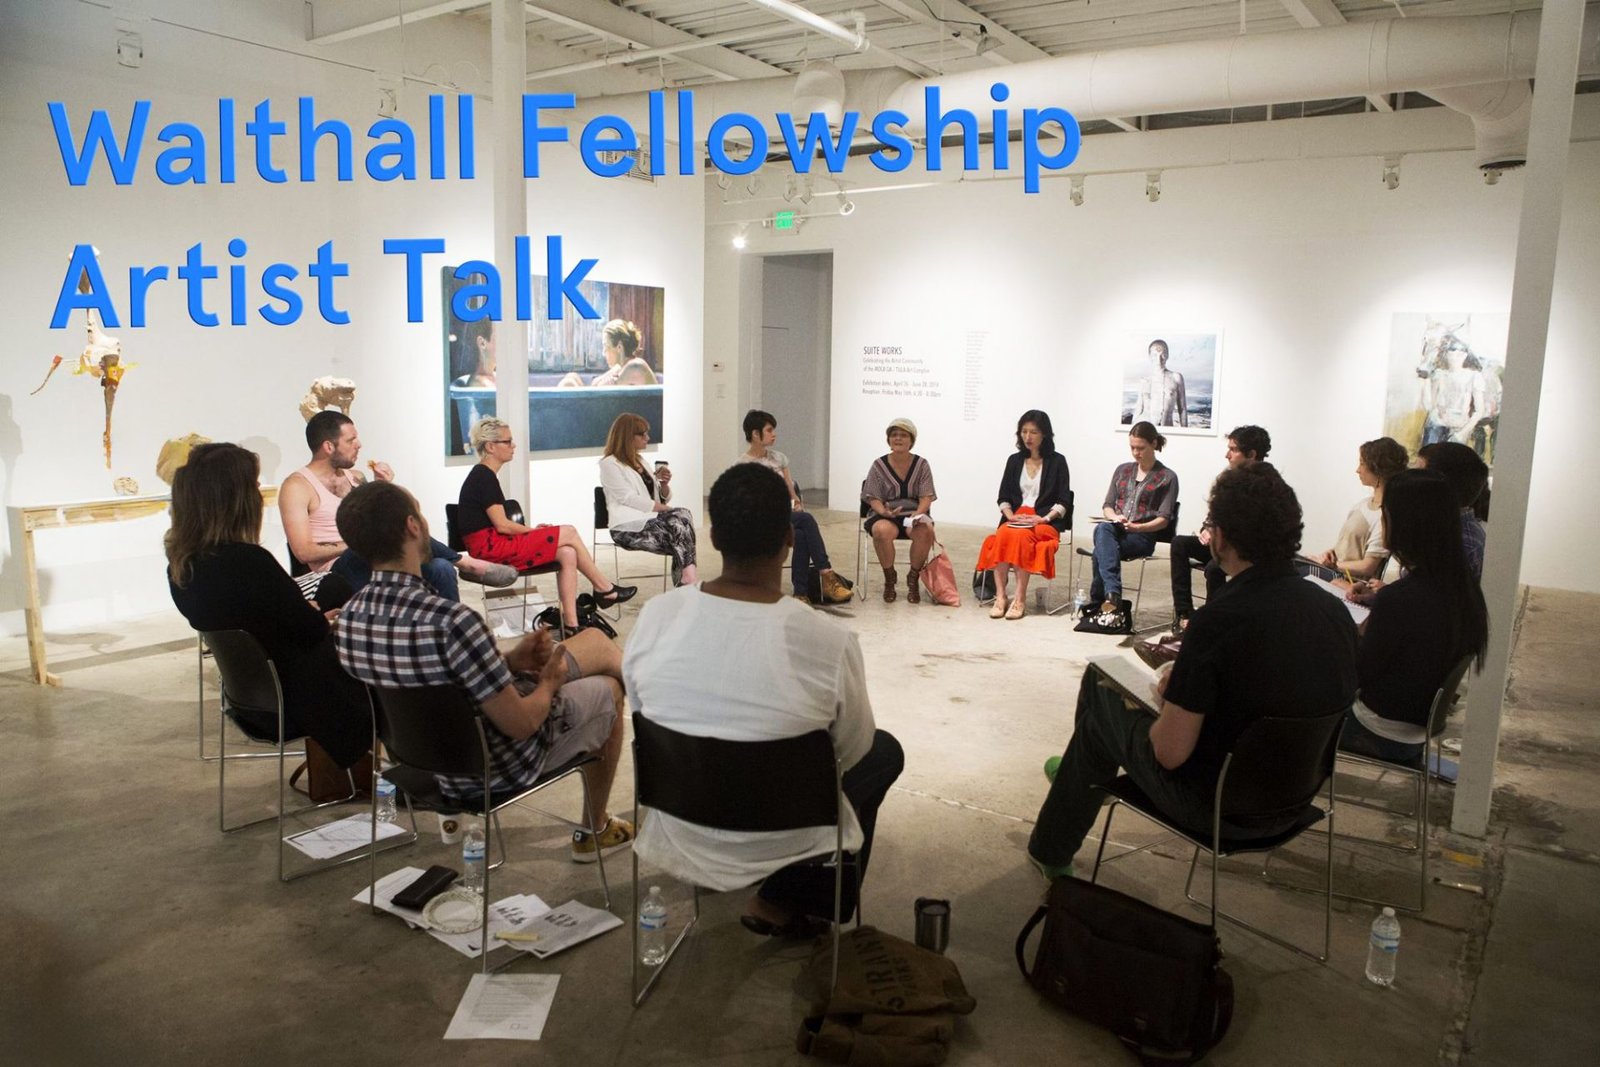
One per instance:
(523,551)
(1032,549)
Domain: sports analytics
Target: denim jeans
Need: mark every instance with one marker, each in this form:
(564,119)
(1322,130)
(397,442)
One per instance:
(809,551)
(1114,543)
(808,889)
(439,572)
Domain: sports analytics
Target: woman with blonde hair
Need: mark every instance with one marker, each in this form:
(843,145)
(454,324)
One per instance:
(641,517)
(222,579)
(489,533)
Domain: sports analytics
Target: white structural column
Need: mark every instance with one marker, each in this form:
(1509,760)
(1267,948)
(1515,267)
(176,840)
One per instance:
(1532,283)
(509,54)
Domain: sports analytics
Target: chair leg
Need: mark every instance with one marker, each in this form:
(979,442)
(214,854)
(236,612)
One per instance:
(1105,835)
(600,856)
(493,820)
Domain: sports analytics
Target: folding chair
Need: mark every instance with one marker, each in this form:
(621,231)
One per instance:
(1420,771)
(1273,773)
(728,785)
(437,729)
(1063,526)
(602,525)
(863,560)
(453,539)
(250,684)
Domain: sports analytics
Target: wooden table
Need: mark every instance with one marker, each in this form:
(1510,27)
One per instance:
(78,513)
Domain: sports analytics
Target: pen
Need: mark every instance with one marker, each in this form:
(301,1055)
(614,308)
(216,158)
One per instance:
(1347,577)
(517,935)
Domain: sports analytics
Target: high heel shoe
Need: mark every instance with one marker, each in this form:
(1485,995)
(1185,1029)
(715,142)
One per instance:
(617,594)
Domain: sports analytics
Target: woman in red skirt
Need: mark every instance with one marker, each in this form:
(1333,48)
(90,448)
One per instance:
(491,536)
(1035,505)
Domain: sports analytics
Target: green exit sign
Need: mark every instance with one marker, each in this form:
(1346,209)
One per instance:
(783,220)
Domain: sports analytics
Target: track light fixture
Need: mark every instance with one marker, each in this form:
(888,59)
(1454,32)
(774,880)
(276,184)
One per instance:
(790,188)
(805,190)
(1391,172)
(846,205)
(741,237)
(1152,185)
(1076,195)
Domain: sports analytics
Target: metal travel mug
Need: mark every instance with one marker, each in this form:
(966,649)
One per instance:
(933,924)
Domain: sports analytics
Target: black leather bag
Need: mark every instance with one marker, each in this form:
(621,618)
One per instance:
(983,586)
(1151,977)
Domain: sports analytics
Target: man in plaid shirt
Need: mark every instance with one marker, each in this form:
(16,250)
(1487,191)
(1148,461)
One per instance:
(397,633)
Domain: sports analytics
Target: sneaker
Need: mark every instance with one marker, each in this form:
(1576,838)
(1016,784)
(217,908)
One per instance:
(834,590)
(804,599)
(617,832)
(1051,767)
(1051,873)
(497,575)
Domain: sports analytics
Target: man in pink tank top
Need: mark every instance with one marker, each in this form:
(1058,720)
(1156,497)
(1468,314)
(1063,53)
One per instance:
(309,499)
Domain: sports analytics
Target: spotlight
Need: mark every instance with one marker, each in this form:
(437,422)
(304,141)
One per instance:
(985,42)
(790,186)
(1152,185)
(753,186)
(846,205)
(1391,172)
(1491,175)
(1076,195)
(741,237)
(805,190)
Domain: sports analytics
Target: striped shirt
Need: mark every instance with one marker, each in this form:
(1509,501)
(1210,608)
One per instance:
(397,633)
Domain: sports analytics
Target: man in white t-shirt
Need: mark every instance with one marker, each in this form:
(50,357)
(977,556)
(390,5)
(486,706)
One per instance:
(734,658)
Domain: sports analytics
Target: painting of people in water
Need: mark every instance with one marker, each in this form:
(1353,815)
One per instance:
(1169,378)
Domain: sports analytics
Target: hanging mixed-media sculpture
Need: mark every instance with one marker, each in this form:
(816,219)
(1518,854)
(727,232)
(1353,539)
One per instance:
(101,358)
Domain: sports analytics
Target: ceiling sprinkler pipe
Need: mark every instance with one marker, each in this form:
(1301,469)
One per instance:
(856,39)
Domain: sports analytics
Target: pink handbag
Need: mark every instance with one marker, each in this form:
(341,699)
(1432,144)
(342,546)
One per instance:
(940,578)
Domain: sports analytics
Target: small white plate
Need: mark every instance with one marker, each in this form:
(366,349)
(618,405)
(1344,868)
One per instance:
(455,911)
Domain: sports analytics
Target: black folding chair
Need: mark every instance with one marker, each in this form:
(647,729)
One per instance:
(453,539)
(729,785)
(251,694)
(437,729)
(602,525)
(1271,778)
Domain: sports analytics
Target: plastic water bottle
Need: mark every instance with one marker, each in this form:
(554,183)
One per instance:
(1038,599)
(1383,948)
(653,929)
(473,848)
(386,809)
(1080,599)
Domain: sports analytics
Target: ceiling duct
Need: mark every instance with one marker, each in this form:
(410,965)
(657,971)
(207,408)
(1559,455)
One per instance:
(1499,114)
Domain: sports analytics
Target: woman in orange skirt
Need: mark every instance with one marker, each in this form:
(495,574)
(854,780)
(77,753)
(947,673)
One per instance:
(1035,506)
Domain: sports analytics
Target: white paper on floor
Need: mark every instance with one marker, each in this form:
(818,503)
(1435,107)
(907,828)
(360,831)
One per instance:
(564,926)
(511,913)
(340,836)
(510,1007)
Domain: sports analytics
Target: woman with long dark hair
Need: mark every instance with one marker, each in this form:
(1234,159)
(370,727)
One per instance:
(1421,625)
(222,579)
(1034,500)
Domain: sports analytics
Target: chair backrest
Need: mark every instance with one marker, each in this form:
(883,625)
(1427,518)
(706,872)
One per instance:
(786,784)
(452,528)
(602,517)
(1064,523)
(514,511)
(1166,533)
(432,728)
(864,506)
(249,679)
(1445,698)
(1278,763)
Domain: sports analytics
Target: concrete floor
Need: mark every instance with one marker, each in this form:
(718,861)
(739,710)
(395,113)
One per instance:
(134,932)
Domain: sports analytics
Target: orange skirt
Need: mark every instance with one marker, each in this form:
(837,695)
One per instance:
(1033,549)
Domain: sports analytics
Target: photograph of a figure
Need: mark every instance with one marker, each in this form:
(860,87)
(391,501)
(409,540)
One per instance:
(582,372)
(1169,379)
(1444,380)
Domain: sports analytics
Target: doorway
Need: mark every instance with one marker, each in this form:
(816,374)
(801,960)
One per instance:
(792,376)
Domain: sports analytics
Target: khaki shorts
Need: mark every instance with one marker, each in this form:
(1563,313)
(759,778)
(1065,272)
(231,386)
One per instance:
(581,718)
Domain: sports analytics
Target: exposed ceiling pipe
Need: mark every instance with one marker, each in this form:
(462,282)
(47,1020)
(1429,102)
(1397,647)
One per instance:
(1419,54)
(856,39)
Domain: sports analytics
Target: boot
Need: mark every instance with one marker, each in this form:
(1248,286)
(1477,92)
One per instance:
(913,587)
(833,590)
(889,578)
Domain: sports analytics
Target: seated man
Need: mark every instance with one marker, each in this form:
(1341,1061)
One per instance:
(309,501)
(1268,643)
(397,633)
(736,659)
(1246,445)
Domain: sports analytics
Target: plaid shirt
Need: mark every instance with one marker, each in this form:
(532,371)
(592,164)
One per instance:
(397,633)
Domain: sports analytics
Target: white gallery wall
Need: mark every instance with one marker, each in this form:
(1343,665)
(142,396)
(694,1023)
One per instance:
(245,383)
(994,302)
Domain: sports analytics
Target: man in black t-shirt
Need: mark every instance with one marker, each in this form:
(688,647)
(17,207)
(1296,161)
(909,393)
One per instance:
(1268,643)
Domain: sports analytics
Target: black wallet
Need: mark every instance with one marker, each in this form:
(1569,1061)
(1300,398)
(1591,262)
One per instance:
(432,882)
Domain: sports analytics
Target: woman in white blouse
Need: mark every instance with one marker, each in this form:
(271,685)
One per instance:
(1035,501)
(641,519)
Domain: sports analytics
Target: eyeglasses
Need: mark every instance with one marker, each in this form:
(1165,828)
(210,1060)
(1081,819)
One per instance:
(641,433)
(505,441)
(1208,525)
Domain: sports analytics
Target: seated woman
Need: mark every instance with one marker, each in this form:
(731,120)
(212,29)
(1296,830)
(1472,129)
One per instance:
(620,343)
(761,433)
(1359,551)
(222,579)
(642,520)
(1421,625)
(898,493)
(1140,502)
(489,533)
(1033,511)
